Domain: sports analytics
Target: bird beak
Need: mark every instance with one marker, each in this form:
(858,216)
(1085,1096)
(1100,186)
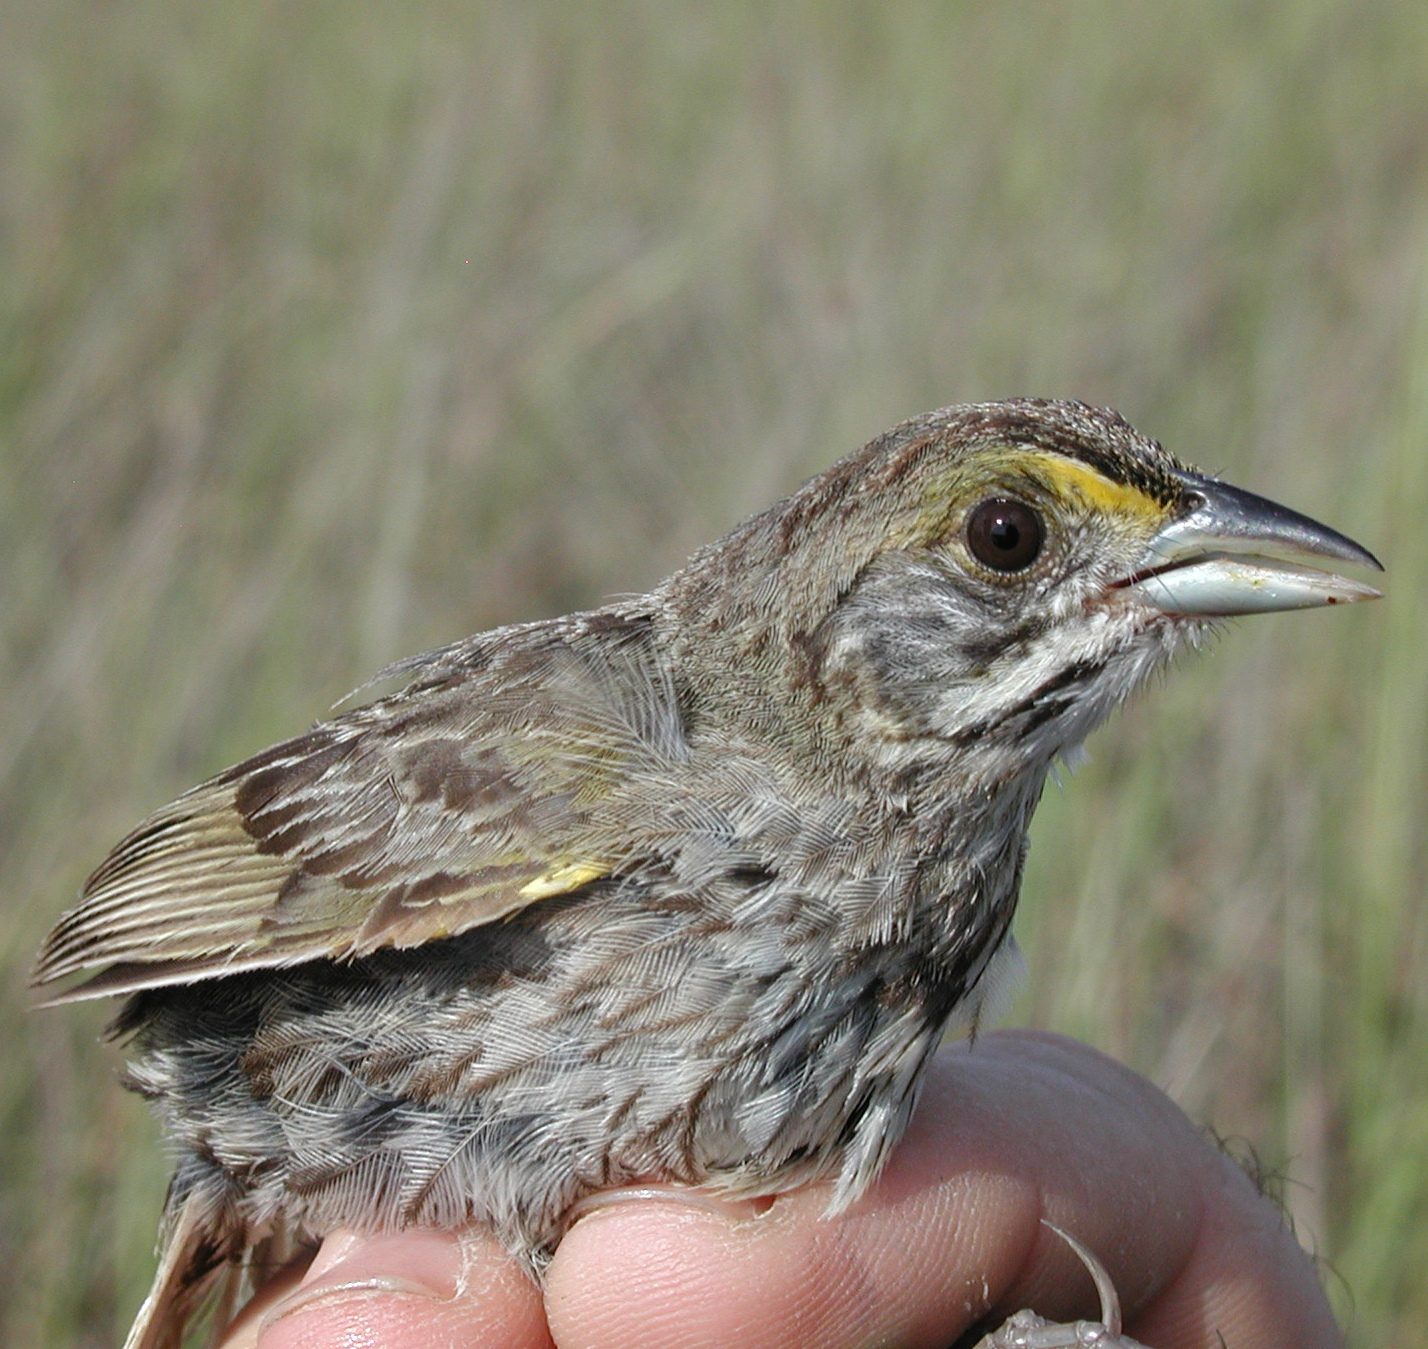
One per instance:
(1231,552)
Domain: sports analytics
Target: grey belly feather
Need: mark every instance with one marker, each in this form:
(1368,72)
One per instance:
(499,1075)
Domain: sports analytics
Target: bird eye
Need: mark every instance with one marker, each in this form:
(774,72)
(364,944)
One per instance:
(1004,535)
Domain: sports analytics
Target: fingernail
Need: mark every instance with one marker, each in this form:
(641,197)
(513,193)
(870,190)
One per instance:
(722,1206)
(427,1265)
(350,1290)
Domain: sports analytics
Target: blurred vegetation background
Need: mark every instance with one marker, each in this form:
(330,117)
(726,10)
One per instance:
(333,331)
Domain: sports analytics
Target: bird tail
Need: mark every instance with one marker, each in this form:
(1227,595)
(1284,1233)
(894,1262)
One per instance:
(189,1268)
(202,1273)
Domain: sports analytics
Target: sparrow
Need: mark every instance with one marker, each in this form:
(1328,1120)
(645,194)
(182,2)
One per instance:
(682,889)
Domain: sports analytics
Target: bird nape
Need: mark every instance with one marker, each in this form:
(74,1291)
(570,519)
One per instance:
(754,839)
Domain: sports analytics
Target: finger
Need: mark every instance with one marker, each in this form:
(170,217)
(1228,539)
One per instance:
(1248,1283)
(409,1290)
(1020,1127)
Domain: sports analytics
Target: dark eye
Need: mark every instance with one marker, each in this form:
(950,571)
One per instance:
(1004,535)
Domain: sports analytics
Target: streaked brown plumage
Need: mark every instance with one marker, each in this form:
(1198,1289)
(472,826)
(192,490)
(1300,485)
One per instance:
(686,888)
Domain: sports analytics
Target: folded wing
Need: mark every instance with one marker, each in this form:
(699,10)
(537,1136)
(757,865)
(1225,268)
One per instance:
(484,786)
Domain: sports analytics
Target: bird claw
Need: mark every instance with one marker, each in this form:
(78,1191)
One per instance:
(1027,1330)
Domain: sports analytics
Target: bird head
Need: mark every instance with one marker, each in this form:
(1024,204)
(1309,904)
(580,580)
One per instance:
(989,581)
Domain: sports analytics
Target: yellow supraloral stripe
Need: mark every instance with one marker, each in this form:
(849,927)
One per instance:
(1072,479)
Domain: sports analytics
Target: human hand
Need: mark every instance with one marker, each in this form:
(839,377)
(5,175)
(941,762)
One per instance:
(1017,1127)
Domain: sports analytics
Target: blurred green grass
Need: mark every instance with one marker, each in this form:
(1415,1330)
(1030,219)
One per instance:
(334,331)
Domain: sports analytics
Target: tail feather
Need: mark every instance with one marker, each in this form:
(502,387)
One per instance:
(199,1274)
(188,1269)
